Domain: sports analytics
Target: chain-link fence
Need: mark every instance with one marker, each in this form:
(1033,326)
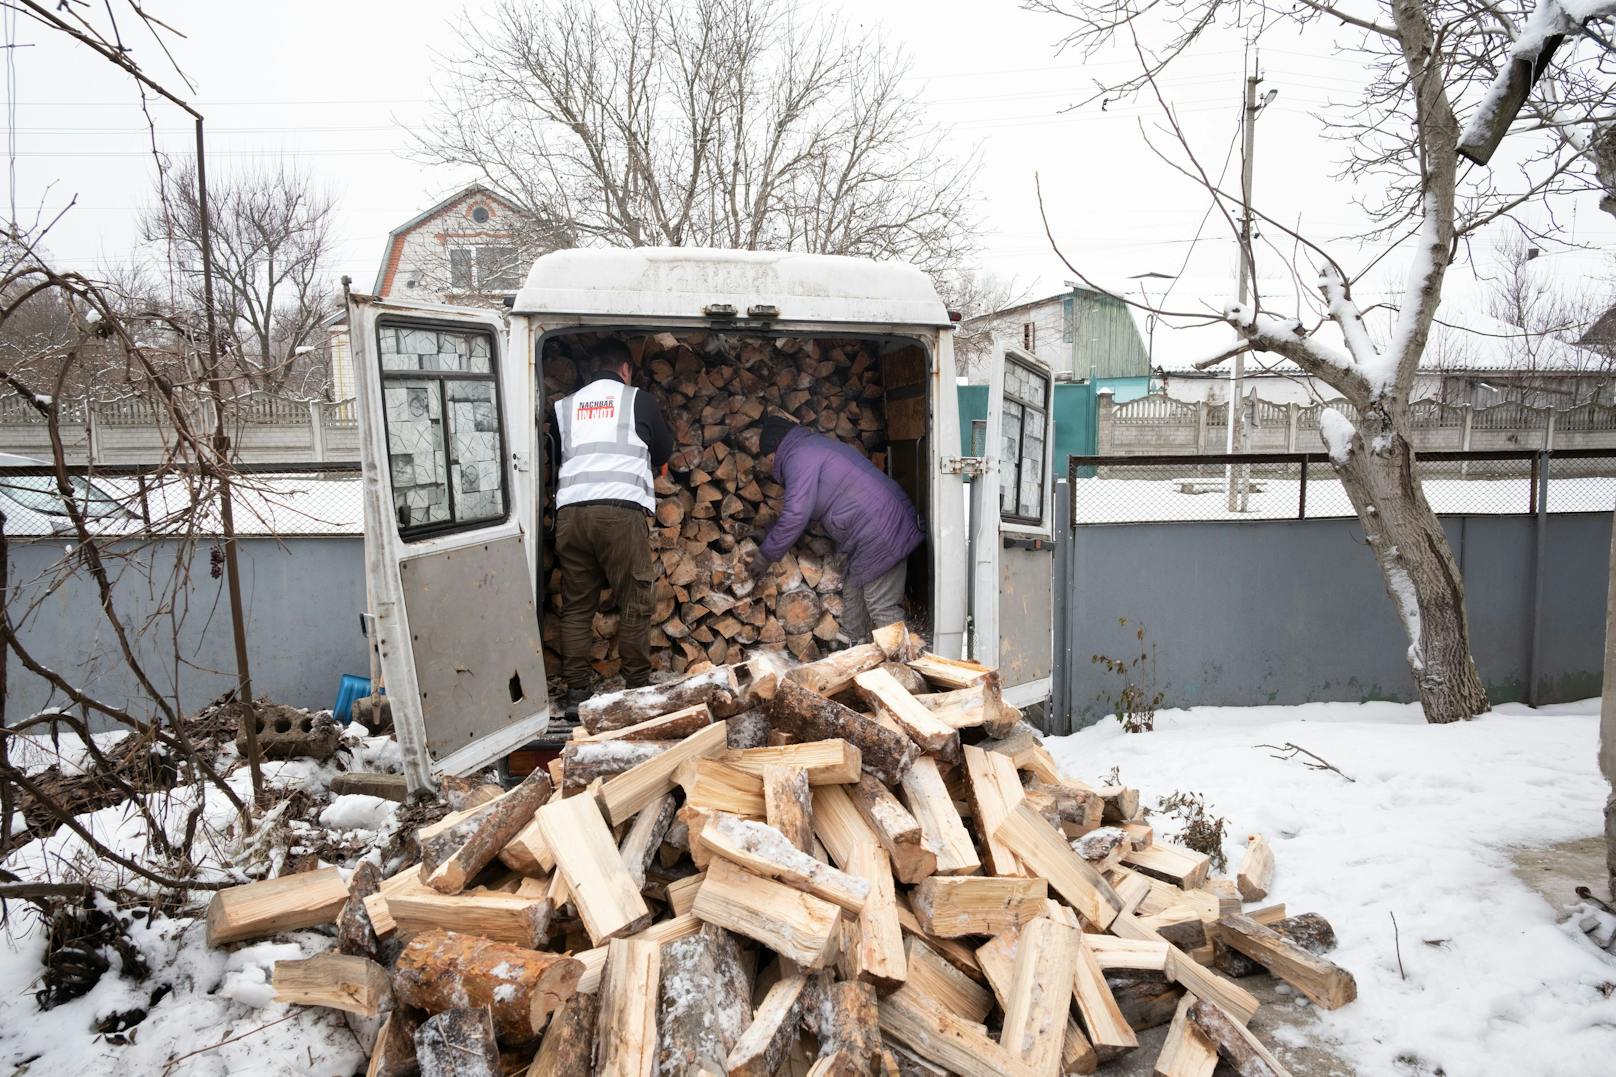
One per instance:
(1300,486)
(279,499)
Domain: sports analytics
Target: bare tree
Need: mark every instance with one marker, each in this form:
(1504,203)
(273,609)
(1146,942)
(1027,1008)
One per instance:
(971,293)
(1422,58)
(273,292)
(723,123)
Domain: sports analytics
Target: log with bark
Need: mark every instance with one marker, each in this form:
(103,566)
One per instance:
(443,970)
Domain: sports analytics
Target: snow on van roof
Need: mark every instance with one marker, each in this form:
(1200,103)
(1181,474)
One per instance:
(678,282)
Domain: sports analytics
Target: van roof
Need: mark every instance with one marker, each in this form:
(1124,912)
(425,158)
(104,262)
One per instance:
(678,282)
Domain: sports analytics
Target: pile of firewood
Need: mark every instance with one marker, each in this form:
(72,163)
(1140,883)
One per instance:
(868,865)
(714,391)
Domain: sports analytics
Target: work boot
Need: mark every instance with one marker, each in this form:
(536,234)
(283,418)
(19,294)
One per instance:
(570,701)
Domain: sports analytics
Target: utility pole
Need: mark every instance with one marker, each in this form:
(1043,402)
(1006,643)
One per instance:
(1238,475)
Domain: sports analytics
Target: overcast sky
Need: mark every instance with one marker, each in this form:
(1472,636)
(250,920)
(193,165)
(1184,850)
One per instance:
(336,87)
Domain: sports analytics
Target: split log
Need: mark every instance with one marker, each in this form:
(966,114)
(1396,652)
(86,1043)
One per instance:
(1308,930)
(838,824)
(450,859)
(1109,1031)
(882,691)
(443,970)
(1256,874)
(626,1031)
(355,933)
(458,1043)
(623,796)
(587,858)
(1121,803)
(879,957)
(1187,1051)
(951,906)
(1199,981)
(793,924)
(289,903)
(762,1047)
(1182,867)
(714,785)
(586,761)
(834,674)
(1324,982)
(682,892)
(849,1031)
(912,682)
(788,805)
(705,1005)
(393,1053)
(895,641)
(994,790)
(1043,849)
(1235,1042)
(343,982)
(670,727)
(951,673)
(766,852)
(980,705)
(511,918)
(645,836)
(940,823)
(1034,1027)
(828,762)
(899,831)
(808,716)
(946,1039)
(947,986)
(569,1041)
(717,688)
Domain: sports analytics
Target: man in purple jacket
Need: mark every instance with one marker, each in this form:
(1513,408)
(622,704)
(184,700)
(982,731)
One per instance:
(863,511)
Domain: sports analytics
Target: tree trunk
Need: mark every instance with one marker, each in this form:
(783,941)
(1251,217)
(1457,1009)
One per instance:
(1415,561)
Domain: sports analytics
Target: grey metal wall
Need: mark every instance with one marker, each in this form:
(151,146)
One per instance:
(1292,611)
(303,597)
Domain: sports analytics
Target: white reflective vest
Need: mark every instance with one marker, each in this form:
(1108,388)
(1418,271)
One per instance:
(603,458)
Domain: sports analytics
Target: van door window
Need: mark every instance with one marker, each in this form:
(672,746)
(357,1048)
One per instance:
(441,408)
(1026,407)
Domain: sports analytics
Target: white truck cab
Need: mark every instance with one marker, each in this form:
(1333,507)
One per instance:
(452,405)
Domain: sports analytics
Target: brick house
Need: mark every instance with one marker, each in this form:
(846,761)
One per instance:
(471,249)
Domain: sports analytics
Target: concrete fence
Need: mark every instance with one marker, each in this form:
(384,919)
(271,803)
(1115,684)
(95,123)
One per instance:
(263,429)
(1158,424)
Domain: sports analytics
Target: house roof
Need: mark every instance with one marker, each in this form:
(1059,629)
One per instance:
(395,238)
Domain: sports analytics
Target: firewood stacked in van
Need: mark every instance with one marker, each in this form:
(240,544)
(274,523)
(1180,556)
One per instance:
(715,390)
(870,865)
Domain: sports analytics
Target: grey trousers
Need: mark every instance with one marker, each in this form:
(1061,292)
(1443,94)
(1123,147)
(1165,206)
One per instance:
(874,603)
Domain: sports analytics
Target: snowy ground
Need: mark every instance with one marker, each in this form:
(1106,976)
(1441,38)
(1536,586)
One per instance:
(214,1016)
(1494,983)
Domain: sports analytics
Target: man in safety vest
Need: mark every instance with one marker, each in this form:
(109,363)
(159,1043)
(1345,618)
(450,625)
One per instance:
(612,438)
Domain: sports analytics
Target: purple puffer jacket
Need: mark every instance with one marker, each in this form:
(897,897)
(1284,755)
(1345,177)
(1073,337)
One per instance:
(830,484)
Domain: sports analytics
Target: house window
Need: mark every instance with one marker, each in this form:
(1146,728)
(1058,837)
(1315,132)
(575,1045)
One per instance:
(1021,443)
(1029,336)
(440,407)
(460,263)
(480,214)
(496,269)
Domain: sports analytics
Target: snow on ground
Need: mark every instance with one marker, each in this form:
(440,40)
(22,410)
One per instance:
(1494,984)
(216,1003)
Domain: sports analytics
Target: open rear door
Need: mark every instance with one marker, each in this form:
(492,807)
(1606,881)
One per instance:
(1012,515)
(445,553)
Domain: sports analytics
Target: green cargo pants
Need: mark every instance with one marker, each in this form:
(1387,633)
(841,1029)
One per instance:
(597,545)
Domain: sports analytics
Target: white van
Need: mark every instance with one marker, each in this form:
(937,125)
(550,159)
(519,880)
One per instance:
(452,403)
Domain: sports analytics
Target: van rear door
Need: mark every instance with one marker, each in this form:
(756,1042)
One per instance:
(446,556)
(1012,586)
